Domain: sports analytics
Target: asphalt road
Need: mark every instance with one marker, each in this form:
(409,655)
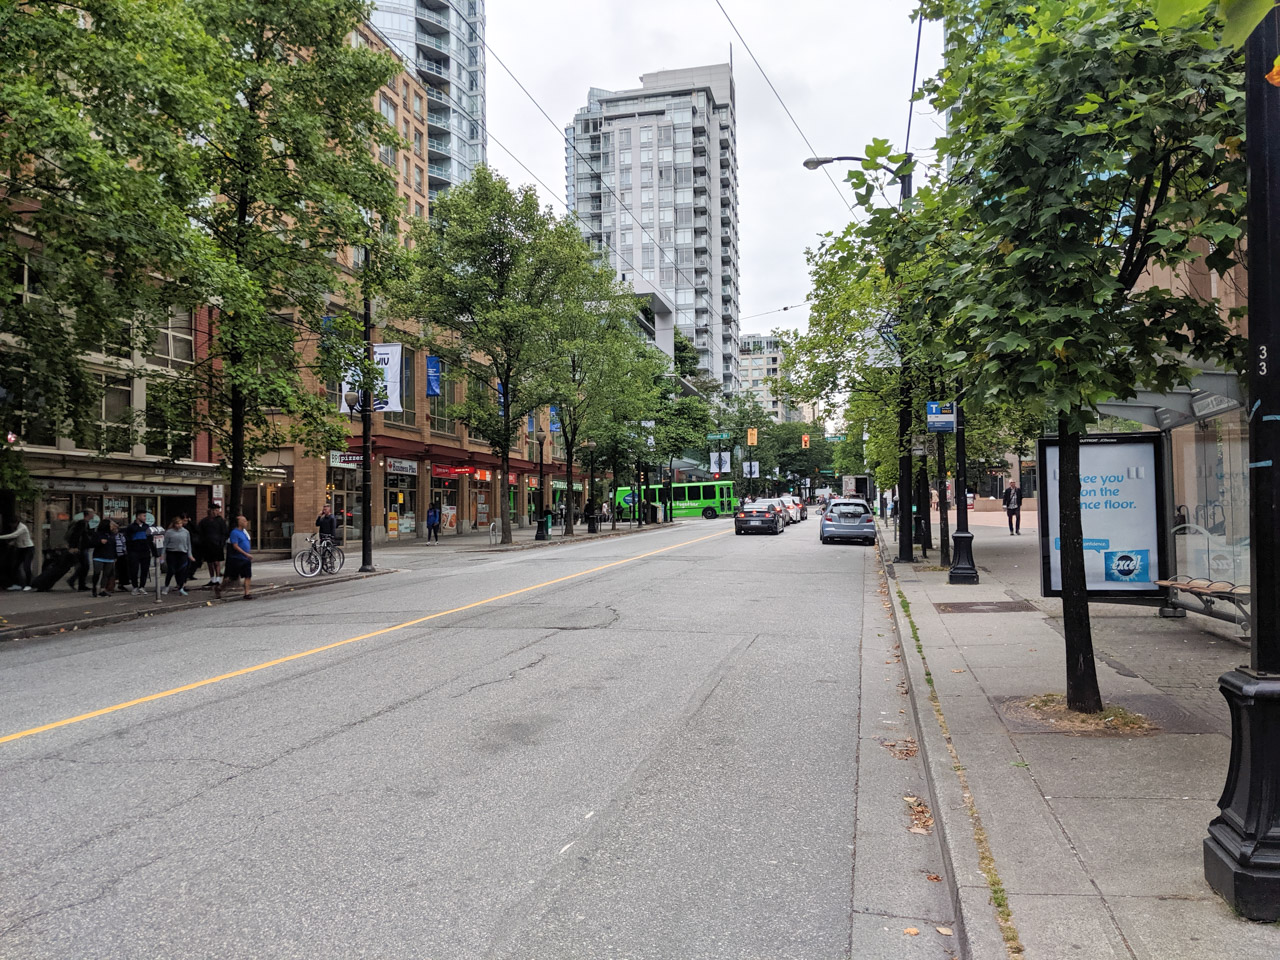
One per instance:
(664,745)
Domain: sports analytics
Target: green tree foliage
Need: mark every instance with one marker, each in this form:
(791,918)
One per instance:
(490,275)
(1091,147)
(96,101)
(293,186)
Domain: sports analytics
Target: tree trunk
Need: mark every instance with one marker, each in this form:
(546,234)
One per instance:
(906,532)
(922,508)
(235,503)
(504,501)
(1082,675)
(568,493)
(613,500)
(944,526)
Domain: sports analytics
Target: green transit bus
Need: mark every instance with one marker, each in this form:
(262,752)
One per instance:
(707,499)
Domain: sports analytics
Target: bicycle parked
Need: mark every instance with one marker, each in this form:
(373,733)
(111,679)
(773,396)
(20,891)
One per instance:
(322,554)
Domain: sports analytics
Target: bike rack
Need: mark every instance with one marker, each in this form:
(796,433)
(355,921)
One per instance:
(494,536)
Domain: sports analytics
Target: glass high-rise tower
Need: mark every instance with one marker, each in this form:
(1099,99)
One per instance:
(445,42)
(653,176)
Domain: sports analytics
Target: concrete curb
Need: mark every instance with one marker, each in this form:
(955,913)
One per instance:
(53,628)
(563,541)
(980,935)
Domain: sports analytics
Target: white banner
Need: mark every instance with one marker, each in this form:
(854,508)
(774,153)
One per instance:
(390,360)
(720,461)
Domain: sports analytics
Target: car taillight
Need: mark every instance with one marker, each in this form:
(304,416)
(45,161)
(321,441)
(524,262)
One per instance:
(742,514)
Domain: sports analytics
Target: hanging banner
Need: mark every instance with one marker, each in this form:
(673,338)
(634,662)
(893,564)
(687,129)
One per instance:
(433,376)
(720,461)
(389,358)
(1122,514)
(555,420)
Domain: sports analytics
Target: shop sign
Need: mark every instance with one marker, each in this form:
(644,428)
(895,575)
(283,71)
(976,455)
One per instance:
(449,471)
(196,473)
(511,479)
(115,486)
(484,476)
(407,467)
(344,460)
(393,525)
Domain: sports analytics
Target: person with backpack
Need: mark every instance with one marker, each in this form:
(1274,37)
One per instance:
(80,541)
(212,531)
(433,522)
(138,541)
(104,558)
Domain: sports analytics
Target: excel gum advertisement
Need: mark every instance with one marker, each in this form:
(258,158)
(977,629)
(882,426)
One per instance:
(1119,512)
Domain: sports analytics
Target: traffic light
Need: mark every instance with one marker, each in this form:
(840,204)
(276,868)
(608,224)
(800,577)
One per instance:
(804,440)
(715,476)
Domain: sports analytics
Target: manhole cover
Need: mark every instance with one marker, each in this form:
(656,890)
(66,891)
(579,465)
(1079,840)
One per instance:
(986,606)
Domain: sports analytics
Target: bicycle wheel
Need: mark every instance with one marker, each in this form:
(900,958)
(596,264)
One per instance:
(307,563)
(333,562)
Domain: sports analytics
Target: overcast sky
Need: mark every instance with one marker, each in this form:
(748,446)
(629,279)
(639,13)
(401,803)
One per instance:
(843,68)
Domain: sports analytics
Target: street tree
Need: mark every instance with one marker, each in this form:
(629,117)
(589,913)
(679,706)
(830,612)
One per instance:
(489,276)
(293,189)
(1091,148)
(96,101)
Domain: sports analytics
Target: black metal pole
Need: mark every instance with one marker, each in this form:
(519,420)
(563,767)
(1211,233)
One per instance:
(540,532)
(1242,851)
(366,479)
(906,521)
(963,569)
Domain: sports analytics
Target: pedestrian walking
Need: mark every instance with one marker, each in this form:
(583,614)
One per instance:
(327,523)
(213,544)
(177,555)
(121,578)
(240,556)
(138,542)
(433,522)
(1013,507)
(104,558)
(80,540)
(26,549)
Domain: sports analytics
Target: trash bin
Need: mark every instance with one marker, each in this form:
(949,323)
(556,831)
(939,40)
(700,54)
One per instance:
(593,523)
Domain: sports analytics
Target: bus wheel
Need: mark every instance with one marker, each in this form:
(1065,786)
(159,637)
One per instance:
(709,513)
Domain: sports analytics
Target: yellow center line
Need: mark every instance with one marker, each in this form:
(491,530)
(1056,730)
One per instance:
(341,643)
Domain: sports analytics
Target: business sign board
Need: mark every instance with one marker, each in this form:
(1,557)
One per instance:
(1122,513)
(940,416)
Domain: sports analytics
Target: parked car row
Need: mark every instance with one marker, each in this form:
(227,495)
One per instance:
(771,515)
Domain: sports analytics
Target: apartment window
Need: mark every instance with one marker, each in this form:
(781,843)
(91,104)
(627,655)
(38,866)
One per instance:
(646,216)
(417,142)
(417,179)
(664,154)
(624,218)
(646,155)
(624,137)
(646,195)
(388,107)
(684,195)
(667,215)
(404,90)
(684,234)
(646,134)
(625,198)
(682,115)
(167,435)
(666,235)
(441,420)
(646,174)
(174,345)
(625,177)
(624,157)
(406,169)
(417,105)
(625,238)
(684,135)
(419,211)
(684,155)
(408,393)
(647,255)
(665,196)
(111,431)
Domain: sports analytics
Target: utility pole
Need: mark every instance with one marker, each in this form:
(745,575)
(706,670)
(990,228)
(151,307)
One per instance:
(1242,851)
(366,467)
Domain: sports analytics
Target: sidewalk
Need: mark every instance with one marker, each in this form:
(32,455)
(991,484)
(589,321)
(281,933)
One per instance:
(28,614)
(1095,840)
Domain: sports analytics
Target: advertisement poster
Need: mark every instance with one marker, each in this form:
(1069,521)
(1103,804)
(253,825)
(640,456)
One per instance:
(482,508)
(389,358)
(449,517)
(1121,513)
(393,525)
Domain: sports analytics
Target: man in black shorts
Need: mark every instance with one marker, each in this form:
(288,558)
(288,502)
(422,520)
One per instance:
(213,545)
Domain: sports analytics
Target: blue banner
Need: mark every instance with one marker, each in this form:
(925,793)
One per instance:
(555,420)
(433,376)
(533,424)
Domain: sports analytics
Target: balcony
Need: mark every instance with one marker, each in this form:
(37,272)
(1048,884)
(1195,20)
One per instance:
(431,16)
(435,43)
(438,149)
(699,144)
(699,162)
(442,171)
(701,223)
(433,68)
(435,96)
(700,243)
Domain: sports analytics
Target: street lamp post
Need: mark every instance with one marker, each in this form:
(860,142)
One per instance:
(540,532)
(963,569)
(1242,851)
(906,520)
(366,465)
(590,447)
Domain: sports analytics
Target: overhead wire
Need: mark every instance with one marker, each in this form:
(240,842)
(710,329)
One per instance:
(786,109)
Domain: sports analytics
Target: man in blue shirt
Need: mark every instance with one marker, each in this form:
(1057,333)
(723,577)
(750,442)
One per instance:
(138,543)
(240,555)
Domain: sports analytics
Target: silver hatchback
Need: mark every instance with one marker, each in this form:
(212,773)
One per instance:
(847,520)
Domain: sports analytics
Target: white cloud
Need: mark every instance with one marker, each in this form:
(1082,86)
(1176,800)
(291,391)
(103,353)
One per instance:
(842,66)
